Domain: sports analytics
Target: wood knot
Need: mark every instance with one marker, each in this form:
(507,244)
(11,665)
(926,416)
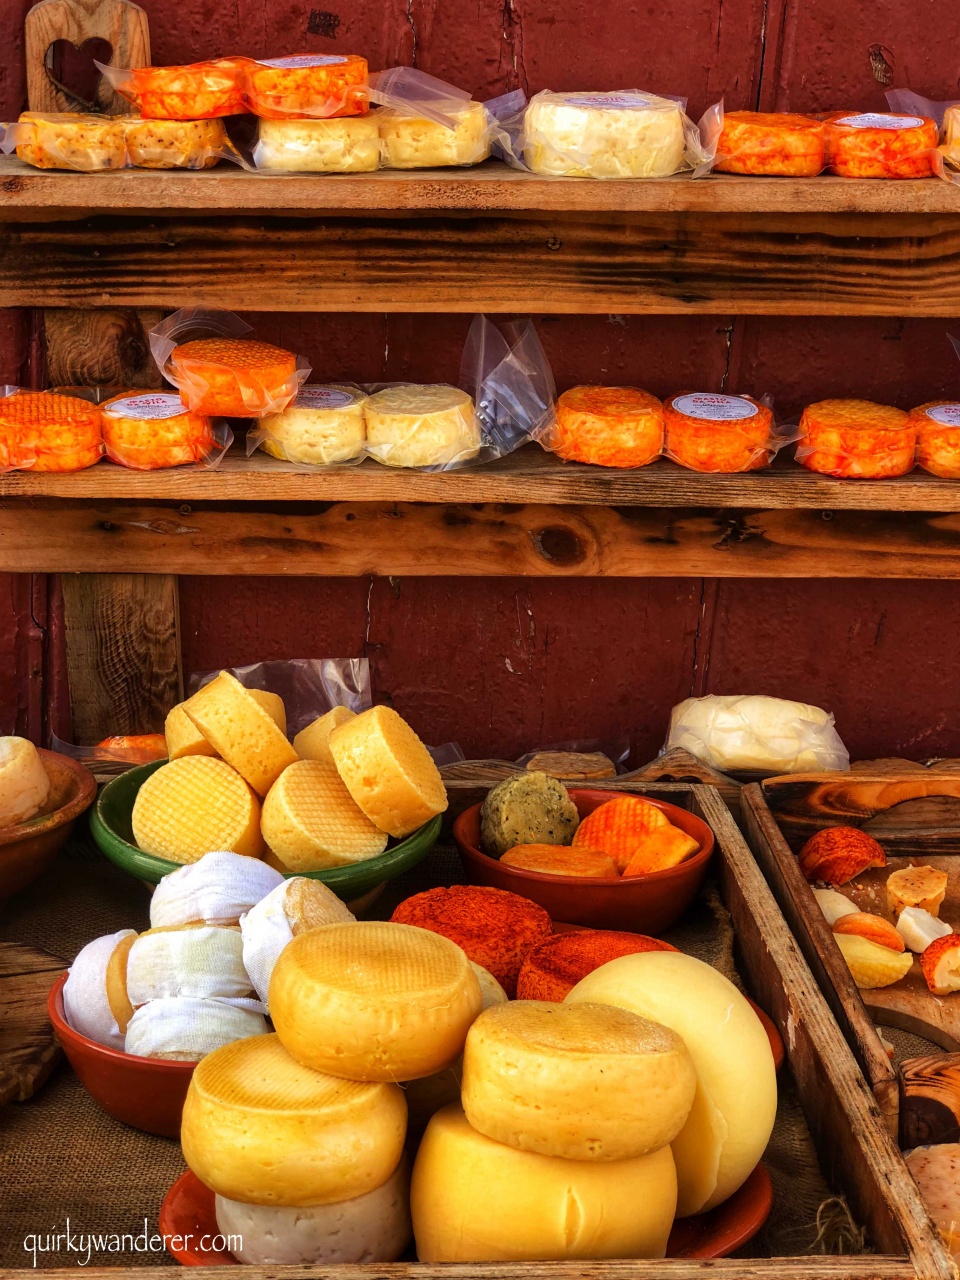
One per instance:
(558,545)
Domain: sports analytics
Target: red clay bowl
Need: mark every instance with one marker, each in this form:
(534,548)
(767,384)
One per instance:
(29,848)
(640,904)
(145,1093)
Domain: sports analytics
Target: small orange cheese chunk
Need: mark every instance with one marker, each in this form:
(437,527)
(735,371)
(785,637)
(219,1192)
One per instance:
(940,964)
(663,848)
(560,860)
(707,432)
(619,827)
(233,377)
(873,144)
(856,438)
(837,854)
(609,426)
(779,144)
(874,928)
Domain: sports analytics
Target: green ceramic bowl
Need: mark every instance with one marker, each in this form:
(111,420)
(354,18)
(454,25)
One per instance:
(112,828)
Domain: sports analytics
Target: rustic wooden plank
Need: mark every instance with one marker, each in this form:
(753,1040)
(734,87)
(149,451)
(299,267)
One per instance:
(99,348)
(121,23)
(643,263)
(28,1047)
(930,1102)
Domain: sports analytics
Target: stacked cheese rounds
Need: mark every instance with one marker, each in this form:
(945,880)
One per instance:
(627,134)
(857,438)
(707,432)
(881,145)
(41,431)
(778,144)
(609,426)
(153,429)
(232,377)
(938,437)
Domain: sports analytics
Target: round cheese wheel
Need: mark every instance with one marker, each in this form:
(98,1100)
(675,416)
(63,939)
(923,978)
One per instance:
(153,429)
(349,144)
(735,1103)
(938,437)
(625,134)
(310,820)
(609,426)
(261,1128)
(24,785)
(49,432)
(413,142)
(232,377)
(555,967)
(707,432)
(421,426)
(293,907)
(373,1000)
(197,91)
(857,438)
(174,144)
(578,1081)
(877,144)
(322,426)
(475,1200)
(243,729)
(313,742)
(308,84)
(193,805)
(777,144)
(71,140)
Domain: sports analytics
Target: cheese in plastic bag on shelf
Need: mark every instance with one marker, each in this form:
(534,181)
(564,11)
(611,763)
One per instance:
(425,123)
(342,144)
(757,732)
(323,425)
(412,425)
(608,426)
(775,144)
(946,115)
(42,431)
(146,430)
(198,91)
(876,144)
(175,144)
(938,437)
(91,143)
(856,439)
(306,85)
(708,432)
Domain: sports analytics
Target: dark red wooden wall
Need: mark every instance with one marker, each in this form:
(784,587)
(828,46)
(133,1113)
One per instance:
(503,665)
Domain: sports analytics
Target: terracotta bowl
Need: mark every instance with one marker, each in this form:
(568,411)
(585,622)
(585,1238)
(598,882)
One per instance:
(28,849)
(640,904)
(145,1093)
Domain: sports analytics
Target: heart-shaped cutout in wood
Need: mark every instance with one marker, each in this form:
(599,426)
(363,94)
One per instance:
(70,69)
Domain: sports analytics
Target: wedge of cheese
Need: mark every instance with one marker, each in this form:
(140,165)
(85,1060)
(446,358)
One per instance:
(313,742)
(24,785)
(311,822)
(241,730)
(194,805)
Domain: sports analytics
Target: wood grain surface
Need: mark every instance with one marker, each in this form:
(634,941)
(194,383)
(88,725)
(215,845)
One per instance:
(121,23)
(28,1047)
(930,1105)
(99,348)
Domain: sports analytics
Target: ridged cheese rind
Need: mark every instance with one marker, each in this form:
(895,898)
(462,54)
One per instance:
(311,822)
(292,907)
(86,1005)
(313,742)
(415,425)
(187,1028)
(627,134)
(192,960)
(24,785)
(192,806)
(241,730)
(217,889)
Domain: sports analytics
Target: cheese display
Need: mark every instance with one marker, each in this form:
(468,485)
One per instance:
(476,1200)
(373,1000)
(186,960)
(218,889)
(857,438)
(712,432)
(153,429)
(388,771)
(413,425)
(309,84)
(414,142)
(530,809)
(310,821)
(193,805)
(70,140)
(936,1171)
(876,144)
(752,731)
(24,785)
(233,377)
(775,144)
(836,854)
(343,144)
(577,1081)
(557,964)
(736,1099)
(261,1128)
(187,1028)
(608,426)
(937,425)
(242,731)
(560,860)
(313,742)
(291,908)
(625,134)
(320,427)
(86,1004)
(46,432)
(197,91)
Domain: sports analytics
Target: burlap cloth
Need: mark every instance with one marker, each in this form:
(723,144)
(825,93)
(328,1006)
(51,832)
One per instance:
(62,1158)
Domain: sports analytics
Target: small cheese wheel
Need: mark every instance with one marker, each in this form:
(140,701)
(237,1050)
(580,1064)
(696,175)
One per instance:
(578,1081)
(232,377)
(198,960)
(24,785)
(706,432)
(194,805)
(174,144)
(197,91)
(49,432)
(557,964)
(878,144)
(625,134)
(373,1000)
(309,84)
(856,438)
(421,426)
(261,1128)
(182,736)
(735,1103)
(938,437)
(71,140)
(388,771)
(153,429)
(349,144)
(322,426)
(609,426)
(311,822)
(950,147)
(413,142)
(531,808)
(475,1200)
(313,742)
(774,143)
(241,730)
(86,1003)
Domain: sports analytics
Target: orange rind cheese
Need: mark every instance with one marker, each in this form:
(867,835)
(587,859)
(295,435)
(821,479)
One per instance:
(940,965)
(856,439)
(139,748)
(555,967)
(153,429)
(233,377)
(663,848)
(198,91)
(778,144)
(561,860)
(881,145)
(706,432)
(312,84)
(609,426)
(59,433)
(837,854)
(619,827)
(938,437)
(873,928)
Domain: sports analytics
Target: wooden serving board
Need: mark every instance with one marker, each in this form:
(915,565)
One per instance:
(28,1047)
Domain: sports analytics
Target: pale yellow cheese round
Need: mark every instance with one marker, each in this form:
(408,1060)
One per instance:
(311,822)
(185,739)
(421,426)
(260,1128)
(475,1200)
(321,426)
(413,142)
(194,805)
(242,731)
(388,771)
(342,144)
(624,134)
(951,135)
(313,742)
(24,785)
(577,1081)
(373,1000)
(735,1105)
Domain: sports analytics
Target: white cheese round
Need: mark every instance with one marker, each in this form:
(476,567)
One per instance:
(421,426)
(627,134)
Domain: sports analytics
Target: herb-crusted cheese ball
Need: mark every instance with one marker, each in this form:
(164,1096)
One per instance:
(530,809)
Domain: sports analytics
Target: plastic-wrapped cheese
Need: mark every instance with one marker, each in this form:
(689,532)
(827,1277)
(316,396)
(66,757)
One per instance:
(322,426)
(174,144)
(950,147)
(756,732)
(857,439)
(196,91)
(627,134)
(413,142)
(345,144)
(876,144)
(24,785)
(707,432)
(153,429)
(609,426)
(421,426)
(308,84)
(49,432)
(778,144)
(938,437)
(233,377)
(71,140)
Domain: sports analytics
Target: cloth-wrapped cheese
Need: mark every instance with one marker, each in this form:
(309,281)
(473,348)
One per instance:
(857,439)
(706,432)
(757,732)
(345,144)
(777,144)
(421,426)
(938,437)
(414,142)
(293,907)
(218,889)
(627,134)
(876,144)
(154,429)
(322,426)
(307,84)
(187,1028)
(609,426)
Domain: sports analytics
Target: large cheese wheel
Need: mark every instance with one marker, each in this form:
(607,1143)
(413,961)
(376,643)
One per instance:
(260,1128)
(49,432)
(578,1081)
(777,144)
(857,438)
(707,432)
(194,805)
(374,1000)
(736,1099)
(625,134)
(174,144)
(421,426)
(388,771)
(609,426)
(306,84)
(232,377)
(311,822)
(71,140)
(154,430)
(323,425)
(475,1200)
(24,785)
(241,730)
(313,742)
(938,437)
(348,144)
(879,144)
(413,142)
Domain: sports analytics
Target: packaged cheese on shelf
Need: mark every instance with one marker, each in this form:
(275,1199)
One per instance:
(42,431)
(150,429)
(322,426)
(857,439)
(938,437)
(175,144)
(712,432)
(413,425)
(198,91)
(306,85)
(876,144)
(608,426)
(775,144)
(752,731)
(90,143)
(425,123)
(946,115)
(341,144)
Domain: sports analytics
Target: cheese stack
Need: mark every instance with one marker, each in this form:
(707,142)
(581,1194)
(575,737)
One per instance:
(322,426)
(775,144)
(232,377)
(24,785)
(45,432)
(707,432)
(627,134)
(413,142)
(875,144)
(153,429)
(938,437)
(421,426)
(857,439)
(609,426)
(344,144)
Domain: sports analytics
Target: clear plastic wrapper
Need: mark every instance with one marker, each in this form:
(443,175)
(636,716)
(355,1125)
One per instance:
(877,144)
(417,425)
(343,144)
(309,687)
(946,115)
(772,144)
(91,143)
(306,85)
(720,433)
(755,732)
(219,370)
(42,431)
(938,437)
(147,430)
(583,757)
(856,439)
(425,123)
(606,426)
(322,426)
(197,91)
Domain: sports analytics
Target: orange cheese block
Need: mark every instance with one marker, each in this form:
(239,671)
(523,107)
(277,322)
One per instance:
(619,827)
(938,437)
(856,438)
(199,91)
(311,84)
(881,145)
(152,429)
(609,426)
(665,847)
(561,860)
(778,144)
(233,377)
(59,433)
(706,432)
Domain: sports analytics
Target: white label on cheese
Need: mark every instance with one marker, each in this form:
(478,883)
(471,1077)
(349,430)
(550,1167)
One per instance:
(714,408)
(615,101)
(303,60)
(323,398)
(946,414)
(876,120)
(161,405)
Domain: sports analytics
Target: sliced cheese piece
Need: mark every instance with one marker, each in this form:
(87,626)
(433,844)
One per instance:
(310,820)
(194,805)
(24,785)
(918,928)
(242,731)
(217,889)
(475,1200)
(626,134)
(413,142)
(261,1128)
(86,1005)
(413,425)
(293,907)
(374,1000)
(342,144)
(313,742)
(187,1028)
(186,960)
(388,771)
